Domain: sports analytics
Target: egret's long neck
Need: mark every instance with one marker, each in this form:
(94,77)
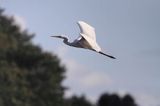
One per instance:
(65,40)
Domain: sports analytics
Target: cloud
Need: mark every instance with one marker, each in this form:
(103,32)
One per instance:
(84,78)
(95,79)
(80,79)
(19,21)
(62,51)
(68,93)
(147,100)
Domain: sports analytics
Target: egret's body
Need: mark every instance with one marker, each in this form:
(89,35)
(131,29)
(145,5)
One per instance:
(87,39)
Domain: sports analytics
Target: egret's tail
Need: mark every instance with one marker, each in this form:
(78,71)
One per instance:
(107,55)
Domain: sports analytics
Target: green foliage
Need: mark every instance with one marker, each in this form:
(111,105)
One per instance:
(28,75)
(114,100)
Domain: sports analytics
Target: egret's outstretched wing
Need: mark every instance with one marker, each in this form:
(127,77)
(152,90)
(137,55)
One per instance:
(88,33)
(87,30)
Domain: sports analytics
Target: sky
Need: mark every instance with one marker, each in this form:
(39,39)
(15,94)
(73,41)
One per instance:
(126,29)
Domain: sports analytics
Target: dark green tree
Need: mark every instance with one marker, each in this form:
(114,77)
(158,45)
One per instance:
(114,100)
(128,100)
(109,100)
(28,75)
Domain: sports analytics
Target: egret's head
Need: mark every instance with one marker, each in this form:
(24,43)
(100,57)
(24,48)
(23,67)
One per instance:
(58,36)
(62,37)
(65,39)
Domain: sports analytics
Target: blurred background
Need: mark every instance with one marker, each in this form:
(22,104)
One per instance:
(36,69)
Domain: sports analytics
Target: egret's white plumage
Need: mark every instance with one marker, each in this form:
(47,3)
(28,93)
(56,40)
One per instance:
(87,39)
(88,32)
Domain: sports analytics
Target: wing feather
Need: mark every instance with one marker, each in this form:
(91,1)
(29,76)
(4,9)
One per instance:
(87,30)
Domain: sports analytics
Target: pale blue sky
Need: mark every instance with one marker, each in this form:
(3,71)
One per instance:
(126,29)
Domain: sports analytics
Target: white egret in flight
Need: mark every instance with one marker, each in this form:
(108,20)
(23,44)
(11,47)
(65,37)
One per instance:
(86,40)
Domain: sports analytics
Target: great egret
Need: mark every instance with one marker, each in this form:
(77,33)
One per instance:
(86,40)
